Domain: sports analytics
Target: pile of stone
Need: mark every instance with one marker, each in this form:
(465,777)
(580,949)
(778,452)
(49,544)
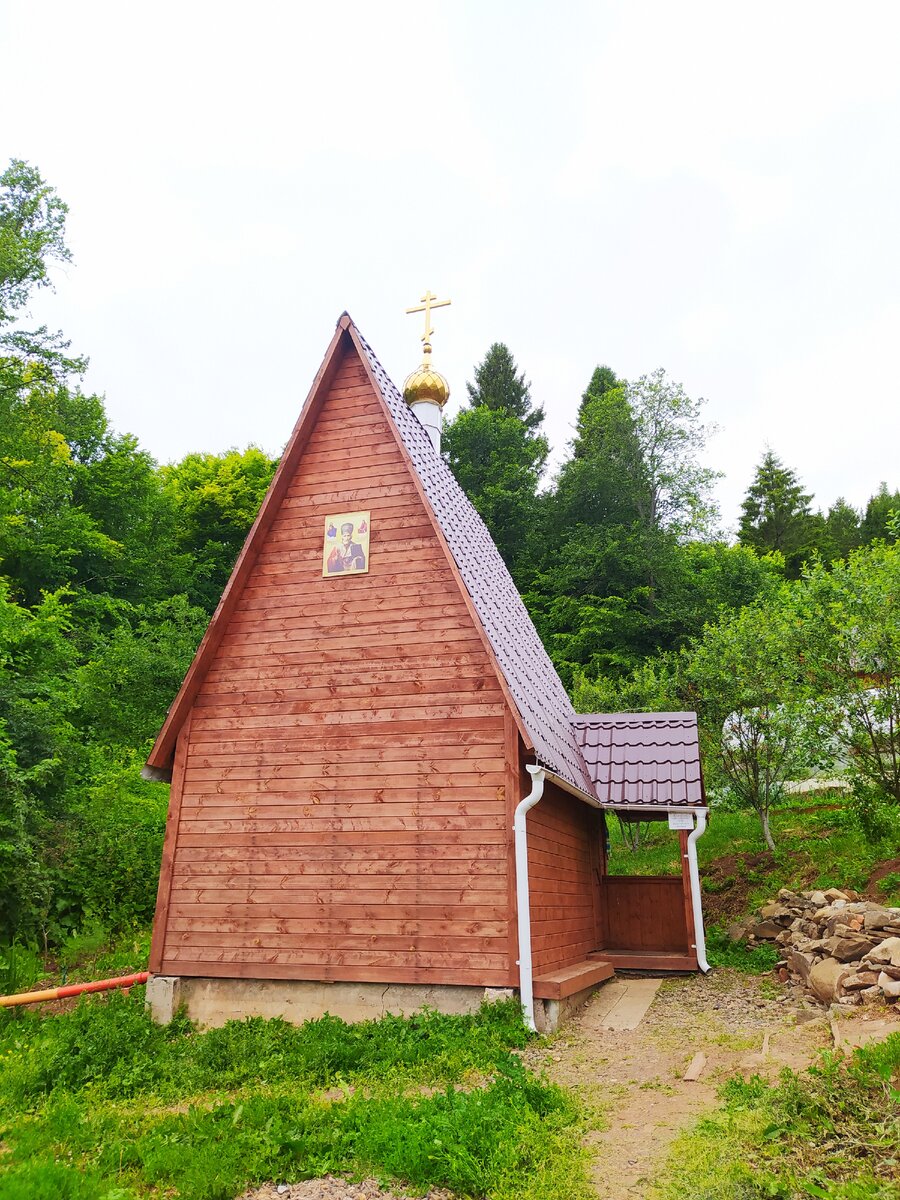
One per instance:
(843,949)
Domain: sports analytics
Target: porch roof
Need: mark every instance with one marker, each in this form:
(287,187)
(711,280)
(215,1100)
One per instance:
(643,760)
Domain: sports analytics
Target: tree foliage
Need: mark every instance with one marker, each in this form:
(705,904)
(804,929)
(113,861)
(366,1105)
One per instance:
(776,515)
(32,235)
(849,616)
(497,452)
(500,386)
(746,682)
(676,496)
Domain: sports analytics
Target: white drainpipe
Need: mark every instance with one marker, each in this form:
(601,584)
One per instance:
(526,981)
(696,903)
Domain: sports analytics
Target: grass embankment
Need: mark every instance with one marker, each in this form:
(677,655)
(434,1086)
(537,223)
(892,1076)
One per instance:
(100,1104)
(832,1132)
(818,844)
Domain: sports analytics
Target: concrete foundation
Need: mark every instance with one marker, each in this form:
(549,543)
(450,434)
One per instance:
(212,1002)
(550,1014)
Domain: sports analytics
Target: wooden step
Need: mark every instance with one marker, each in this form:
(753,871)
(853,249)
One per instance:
(646,960)
(556,985)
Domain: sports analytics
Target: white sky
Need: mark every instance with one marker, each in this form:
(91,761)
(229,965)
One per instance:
(713,188)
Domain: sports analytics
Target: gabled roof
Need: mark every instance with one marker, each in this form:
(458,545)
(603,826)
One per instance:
(643,759)
(537,691)
(539,701)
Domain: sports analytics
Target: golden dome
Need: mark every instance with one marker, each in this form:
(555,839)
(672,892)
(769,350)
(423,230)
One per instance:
(426,384)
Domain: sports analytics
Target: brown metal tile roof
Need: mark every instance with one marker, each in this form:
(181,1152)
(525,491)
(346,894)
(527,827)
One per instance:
(542,701)
(648,759)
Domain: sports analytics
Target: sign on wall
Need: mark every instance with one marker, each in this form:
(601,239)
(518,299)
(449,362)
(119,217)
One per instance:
(346,548)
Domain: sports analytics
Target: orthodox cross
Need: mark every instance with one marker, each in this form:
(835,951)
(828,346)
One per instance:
(428,303)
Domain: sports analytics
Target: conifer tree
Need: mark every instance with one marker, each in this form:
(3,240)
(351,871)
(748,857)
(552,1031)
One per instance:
(776,515)
(841,532)
(499,385)
(876,522)
(602,480)
(497,453)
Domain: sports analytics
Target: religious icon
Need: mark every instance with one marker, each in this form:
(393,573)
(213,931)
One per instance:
(346,546)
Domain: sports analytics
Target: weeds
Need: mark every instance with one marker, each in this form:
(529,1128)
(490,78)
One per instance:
(120,1108)
(722,951)
(831,1131)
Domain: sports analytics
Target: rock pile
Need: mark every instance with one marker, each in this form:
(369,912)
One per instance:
(843,949)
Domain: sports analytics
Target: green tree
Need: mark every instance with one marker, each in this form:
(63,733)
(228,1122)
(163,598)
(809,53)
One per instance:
(699,582)
(497,455)
(849,617)
(215,498)
(622,582)
(80,506)
(40,757)
(500,386)
(776,515)
(876,521)
(676,496)
(841,532)
(603,481)
(32,235)
(744,678)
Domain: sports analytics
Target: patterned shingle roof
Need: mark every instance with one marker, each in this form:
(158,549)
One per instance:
(648,759)
(537,690)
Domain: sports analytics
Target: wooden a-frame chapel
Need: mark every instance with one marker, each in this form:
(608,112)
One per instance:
(381,796)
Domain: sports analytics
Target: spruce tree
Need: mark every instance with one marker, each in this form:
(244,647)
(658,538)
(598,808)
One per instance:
(841,531)
(500,386)
(776,515)
(876,522)
(497,453)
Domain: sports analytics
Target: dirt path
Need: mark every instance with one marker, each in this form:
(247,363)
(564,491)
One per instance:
(632,1078)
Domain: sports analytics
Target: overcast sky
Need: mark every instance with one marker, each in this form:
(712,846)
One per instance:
(711,188)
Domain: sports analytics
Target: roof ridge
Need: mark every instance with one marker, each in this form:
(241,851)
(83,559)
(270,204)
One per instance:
(542,701)
(622,718)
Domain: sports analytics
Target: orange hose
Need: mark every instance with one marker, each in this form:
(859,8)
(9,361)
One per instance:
(75,989)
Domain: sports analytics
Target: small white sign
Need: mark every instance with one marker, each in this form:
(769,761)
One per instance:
(681,820)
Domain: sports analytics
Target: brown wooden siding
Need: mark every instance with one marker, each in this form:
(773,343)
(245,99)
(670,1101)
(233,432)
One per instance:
(564,880)
(343,808)
(645,913)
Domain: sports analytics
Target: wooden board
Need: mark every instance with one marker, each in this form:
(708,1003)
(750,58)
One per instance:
(564,885)
(556,985)
(646,913)
(345,796)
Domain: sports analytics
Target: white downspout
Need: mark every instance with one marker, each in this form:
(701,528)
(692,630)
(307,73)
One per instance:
(526,982)
(696,903)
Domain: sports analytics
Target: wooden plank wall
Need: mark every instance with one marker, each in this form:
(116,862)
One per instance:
(564,848)
(343,813)
(645,912)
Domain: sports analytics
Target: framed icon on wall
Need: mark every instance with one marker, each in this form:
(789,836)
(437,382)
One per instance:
(346,546)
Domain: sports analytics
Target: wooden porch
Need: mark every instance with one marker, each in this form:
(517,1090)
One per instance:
(647,922)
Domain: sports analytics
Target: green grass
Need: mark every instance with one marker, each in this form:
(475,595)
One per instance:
(722,951)
(99,1102)
(832,1131)
(823,847)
